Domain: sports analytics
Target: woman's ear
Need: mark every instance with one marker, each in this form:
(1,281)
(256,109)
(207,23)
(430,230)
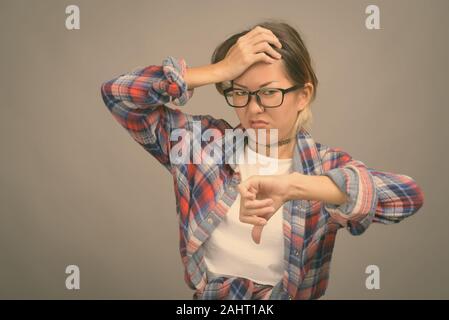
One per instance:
(304,96)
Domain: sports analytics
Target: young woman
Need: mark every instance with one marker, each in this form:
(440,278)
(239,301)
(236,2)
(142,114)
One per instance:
(246,233)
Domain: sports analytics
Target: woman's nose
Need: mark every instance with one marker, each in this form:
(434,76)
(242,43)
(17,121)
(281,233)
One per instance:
(253,105)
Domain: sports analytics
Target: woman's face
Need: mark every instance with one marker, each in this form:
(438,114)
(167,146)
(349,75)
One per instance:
(264,75)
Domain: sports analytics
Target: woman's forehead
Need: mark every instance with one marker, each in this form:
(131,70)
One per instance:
(261,73)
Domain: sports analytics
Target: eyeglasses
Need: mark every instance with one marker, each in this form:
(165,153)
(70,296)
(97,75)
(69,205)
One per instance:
(266,97)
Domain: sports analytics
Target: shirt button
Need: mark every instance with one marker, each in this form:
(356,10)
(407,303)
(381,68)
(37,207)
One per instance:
(210,220)
(296,252)
(289,297)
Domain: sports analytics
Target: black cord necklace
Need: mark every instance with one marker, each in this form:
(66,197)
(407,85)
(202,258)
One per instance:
(278,143)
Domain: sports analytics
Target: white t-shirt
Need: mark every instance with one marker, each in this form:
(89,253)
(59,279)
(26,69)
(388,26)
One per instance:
(230,249)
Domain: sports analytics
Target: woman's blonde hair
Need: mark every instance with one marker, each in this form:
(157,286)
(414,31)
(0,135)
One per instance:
(296,60)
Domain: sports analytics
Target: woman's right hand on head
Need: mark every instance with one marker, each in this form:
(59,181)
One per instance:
(254,46)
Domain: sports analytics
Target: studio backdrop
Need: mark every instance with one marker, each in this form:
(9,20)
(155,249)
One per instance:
(79,195)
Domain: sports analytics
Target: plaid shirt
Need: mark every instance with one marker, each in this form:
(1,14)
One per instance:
(204,192)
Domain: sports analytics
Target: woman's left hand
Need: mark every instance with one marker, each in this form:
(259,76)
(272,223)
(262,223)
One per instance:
(261,196)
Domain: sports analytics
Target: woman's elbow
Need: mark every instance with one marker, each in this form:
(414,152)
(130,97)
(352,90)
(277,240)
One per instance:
(417,198)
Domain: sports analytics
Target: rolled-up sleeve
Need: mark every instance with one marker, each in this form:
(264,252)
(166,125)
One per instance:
(373,195)
(137,101)
(354,179)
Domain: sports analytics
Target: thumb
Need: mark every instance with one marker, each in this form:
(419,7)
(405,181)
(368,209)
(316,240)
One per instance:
(256,233)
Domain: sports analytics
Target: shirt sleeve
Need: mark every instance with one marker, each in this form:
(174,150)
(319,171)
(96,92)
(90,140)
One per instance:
(137,101)
(373,196)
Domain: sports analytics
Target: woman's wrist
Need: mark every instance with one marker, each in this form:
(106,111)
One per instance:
(200,76)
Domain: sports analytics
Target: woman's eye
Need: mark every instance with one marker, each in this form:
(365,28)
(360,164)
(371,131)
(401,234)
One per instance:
(268,92)
(240,93)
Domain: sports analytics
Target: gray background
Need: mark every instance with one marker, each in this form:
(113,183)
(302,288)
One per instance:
(76,189)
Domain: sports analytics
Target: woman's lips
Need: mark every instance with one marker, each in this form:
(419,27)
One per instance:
(258,124)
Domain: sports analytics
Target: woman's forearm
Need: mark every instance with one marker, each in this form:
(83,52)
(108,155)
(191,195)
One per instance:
(319,188)
(200,76)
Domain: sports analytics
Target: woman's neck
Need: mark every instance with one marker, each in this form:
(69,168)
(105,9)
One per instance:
(283,152)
